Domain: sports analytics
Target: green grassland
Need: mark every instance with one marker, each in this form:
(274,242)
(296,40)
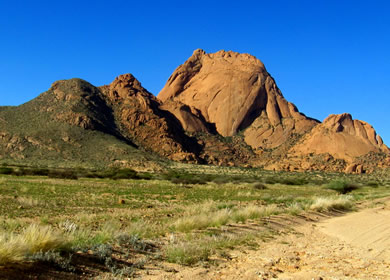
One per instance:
(183,215)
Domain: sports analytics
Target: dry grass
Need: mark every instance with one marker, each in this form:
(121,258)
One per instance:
(199,248)
(332,203)
(254,212)
(187,253)
(88,214)
(203,207)
(28,202)
(296,208)
(223,216)
(203,220)
(16,248)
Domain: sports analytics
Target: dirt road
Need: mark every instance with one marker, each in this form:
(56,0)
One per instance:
(352,246)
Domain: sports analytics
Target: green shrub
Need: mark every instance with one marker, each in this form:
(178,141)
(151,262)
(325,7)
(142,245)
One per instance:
(39,171)
(243,179)
(270,180)
(317,182)
(145,176)
(114,174)
(32,172)
(64,174)
(126,173)
(260,186)
(91,174)
(342,187)
(187,178)
(293,181)
(6,170)
(221,180)
(372,184)
(104,174)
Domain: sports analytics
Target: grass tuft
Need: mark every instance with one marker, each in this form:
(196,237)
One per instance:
(187,253)
(253,212)
(203,220)
(323,204)
(34,239)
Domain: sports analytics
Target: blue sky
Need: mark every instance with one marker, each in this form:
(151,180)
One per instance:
(326,56)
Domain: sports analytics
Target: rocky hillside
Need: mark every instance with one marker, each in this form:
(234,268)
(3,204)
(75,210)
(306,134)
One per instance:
(222,108)
(139,119)
(71,124)
(121,124)
(235,93)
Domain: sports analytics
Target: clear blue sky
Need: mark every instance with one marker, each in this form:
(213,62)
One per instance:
(326,56)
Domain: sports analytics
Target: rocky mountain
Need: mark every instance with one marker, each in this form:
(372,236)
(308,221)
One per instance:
(338,144)
(121,124)
(222,108)
(236,93)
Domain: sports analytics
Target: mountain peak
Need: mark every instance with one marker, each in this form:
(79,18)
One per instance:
(124,86)
(72,89)
(126,80)
(232,90)
(198,52)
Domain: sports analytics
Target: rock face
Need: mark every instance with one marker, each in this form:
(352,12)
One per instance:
(140,119)
(235,92)
(189,117)
(342,137)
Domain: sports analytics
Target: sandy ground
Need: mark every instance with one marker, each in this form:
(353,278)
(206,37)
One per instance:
(352,246)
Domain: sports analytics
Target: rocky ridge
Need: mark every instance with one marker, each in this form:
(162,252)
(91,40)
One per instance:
(138,117)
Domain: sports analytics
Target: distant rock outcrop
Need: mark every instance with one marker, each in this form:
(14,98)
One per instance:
(342,137)
(235,92)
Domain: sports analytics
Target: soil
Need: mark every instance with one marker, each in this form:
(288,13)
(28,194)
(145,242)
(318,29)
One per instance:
(352,246)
